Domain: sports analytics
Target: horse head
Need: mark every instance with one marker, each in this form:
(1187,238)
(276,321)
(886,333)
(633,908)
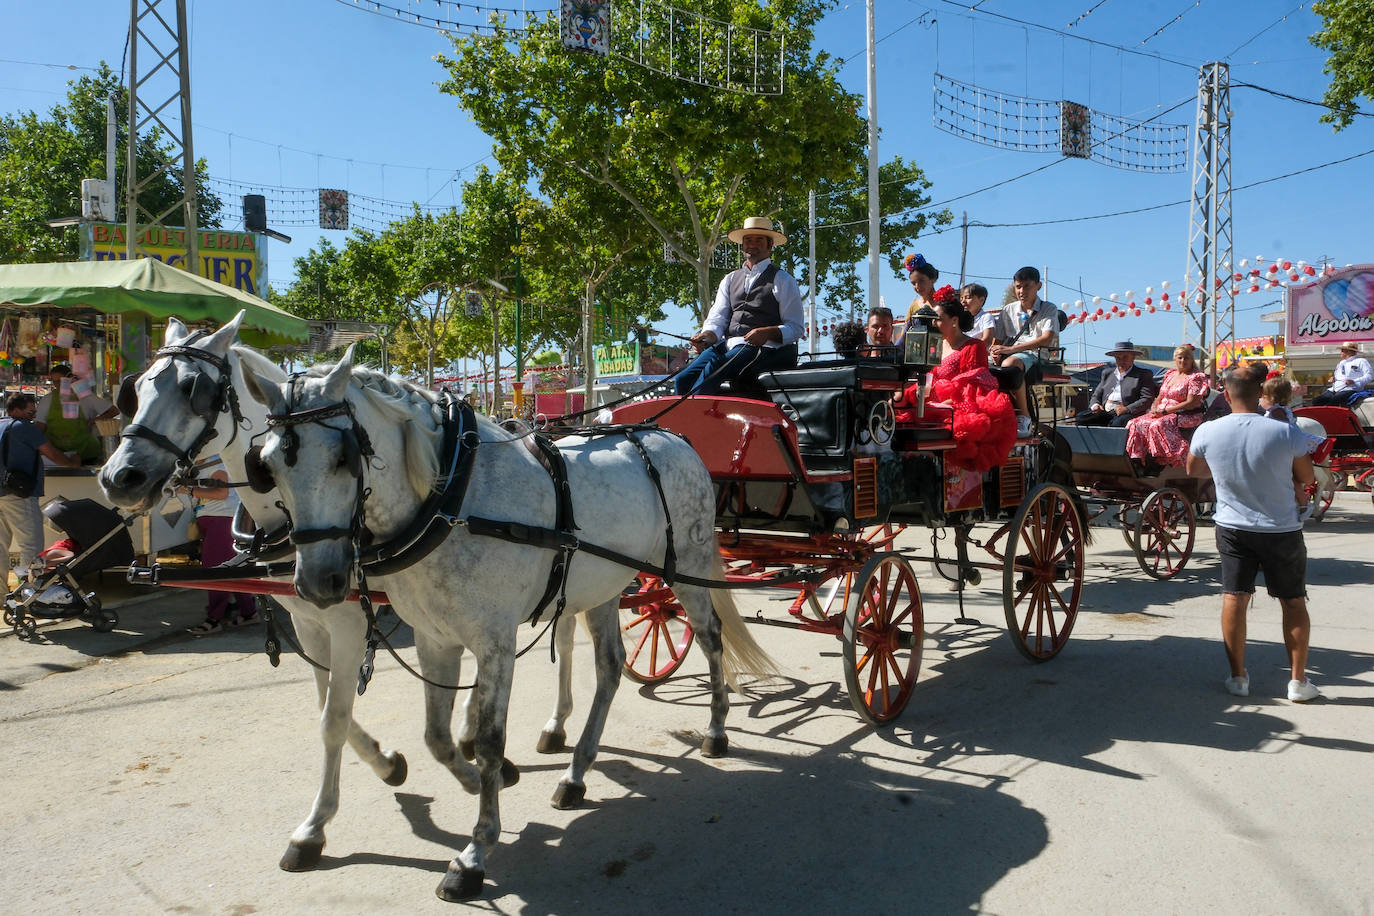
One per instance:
(314,453)
(182,401)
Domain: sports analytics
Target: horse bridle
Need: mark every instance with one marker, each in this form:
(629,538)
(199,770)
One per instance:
(207,399)
(356,449)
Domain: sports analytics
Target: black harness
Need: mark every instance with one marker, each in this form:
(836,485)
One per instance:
(207,398)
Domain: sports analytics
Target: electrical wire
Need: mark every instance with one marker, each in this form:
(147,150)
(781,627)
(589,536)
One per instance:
(1293,98)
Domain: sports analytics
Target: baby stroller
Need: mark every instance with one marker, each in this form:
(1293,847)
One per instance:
(57,594)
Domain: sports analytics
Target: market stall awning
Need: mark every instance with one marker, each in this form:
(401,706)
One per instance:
(144,285)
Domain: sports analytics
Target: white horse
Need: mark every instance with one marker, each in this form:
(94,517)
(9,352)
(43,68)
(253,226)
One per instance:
(476,590)
(182,409)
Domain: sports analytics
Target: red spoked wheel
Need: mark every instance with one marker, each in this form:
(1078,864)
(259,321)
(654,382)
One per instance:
(1042,575)
(656,630)
(1164,533)
(884,625)
(1326,492)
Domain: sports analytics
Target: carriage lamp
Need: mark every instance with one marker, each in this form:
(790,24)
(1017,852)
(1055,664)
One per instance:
(921,340)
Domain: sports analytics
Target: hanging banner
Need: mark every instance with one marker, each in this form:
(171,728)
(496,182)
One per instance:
(1337,308)
(1075,130)
(333,209)
(585,25)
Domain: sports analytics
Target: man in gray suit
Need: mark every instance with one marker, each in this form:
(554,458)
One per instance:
(1125,392)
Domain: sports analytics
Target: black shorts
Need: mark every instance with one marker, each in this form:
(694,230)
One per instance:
(1282,556)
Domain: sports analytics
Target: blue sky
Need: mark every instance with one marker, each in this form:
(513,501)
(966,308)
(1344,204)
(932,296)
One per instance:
(314,93)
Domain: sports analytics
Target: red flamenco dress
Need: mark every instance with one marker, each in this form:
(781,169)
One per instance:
(984,422)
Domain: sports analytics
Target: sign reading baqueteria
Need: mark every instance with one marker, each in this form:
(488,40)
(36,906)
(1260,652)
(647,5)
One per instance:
(237,259)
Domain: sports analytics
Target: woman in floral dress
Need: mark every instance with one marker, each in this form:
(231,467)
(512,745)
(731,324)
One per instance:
(1156,433)
(984,422)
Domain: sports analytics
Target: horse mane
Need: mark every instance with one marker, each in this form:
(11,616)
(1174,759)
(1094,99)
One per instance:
(415,408)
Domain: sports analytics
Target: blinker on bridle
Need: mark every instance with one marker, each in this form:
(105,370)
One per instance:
(207,399)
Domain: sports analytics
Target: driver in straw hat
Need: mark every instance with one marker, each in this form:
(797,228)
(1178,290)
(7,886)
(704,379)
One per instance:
(755,322)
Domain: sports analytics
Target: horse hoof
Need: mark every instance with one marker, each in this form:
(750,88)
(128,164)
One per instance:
(552,743)
(568,796)
(301,856)
(715,746)
(399,770)
(510,773)
(468,749)
(460,885)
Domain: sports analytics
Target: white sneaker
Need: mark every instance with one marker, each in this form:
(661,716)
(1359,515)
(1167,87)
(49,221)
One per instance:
(1023,426)
(1239,686)
(1302,691)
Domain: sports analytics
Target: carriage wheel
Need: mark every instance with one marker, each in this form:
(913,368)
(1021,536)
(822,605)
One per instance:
(9,616)
(883,629)
(1164,533)
(1129,516)
(658,631)
(1042,576)
(25,627)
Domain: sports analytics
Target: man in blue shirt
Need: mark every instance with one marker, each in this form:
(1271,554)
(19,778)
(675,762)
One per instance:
(1262,470)
(23,447)
(756,319)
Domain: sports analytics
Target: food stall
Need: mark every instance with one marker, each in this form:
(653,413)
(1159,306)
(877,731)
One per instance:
(1338,308)
(104,318)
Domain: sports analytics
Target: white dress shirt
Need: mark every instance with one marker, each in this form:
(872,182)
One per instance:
(1352,374)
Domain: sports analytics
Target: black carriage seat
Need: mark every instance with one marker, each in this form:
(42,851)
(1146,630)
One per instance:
(829,401)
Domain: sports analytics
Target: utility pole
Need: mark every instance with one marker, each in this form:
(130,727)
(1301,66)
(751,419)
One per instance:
(874,219)
(1208,277)
(811,271)
(963,251)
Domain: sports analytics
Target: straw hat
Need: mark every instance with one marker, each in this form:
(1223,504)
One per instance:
(1350,347)
(757,225)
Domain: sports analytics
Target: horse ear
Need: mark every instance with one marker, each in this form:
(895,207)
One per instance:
(265,392)
(176,331)
(336,383)
(219,341)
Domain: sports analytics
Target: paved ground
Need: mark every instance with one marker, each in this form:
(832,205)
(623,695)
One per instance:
(150,772)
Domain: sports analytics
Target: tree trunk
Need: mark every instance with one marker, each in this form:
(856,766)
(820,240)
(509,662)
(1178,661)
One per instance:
(588,354)
(496,399)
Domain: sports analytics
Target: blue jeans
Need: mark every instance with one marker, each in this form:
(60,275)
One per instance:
(716,365)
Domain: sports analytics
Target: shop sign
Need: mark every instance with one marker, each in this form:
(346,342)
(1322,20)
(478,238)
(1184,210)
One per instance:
(1337,308)
(616,359)
(236,259)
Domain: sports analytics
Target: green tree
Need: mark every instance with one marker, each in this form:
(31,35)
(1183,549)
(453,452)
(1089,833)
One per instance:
(43,159)
(1347,33)
(842,229)
(687,160)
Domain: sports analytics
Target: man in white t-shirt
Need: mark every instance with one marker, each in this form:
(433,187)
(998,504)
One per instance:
(1262,471)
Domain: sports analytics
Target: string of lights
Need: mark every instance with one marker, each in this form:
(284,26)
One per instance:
(446,21)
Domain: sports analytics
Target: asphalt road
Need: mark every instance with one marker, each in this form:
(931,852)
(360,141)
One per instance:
(149,772)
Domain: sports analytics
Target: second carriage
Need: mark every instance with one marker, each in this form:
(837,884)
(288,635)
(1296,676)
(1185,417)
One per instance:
(814,484)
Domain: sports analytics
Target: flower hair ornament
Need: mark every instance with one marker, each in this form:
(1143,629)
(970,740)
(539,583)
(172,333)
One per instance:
(914,262)
(945,295)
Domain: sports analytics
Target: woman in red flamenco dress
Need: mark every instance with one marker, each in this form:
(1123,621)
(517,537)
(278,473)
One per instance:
(984,422)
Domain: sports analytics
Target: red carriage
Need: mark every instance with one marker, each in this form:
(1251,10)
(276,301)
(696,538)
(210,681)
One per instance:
(812,487)
(1350,461)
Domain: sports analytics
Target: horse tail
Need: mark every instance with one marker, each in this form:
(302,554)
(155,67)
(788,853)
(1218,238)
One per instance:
(742,655)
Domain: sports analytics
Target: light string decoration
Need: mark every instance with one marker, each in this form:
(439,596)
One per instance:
(1050,125)
(678,43)
(1264,276)
(294,206)
(444,17)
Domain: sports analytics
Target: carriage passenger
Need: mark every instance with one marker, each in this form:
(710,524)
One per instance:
(973,297)
(923,275)
(1026,328)
(1274,397)
(983,422)
(1179,406)
(878,332)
